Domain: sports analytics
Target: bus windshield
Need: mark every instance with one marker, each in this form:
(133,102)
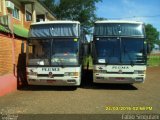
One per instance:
(132,51)
(53,52)
(108,50)
(39,52)
(120,50)
(64,52)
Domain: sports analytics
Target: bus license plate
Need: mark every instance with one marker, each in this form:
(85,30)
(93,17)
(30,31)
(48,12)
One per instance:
(51,81)
(120,79)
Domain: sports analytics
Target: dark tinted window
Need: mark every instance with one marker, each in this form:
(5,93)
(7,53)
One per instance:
(118,29)
(39,52)
(64,52)
(108,50)
(132,50)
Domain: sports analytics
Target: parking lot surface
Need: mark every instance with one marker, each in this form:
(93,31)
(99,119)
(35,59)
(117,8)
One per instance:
(87,99)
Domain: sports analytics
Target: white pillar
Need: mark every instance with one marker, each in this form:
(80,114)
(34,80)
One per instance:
(45,16)
(33,13)
(4,7)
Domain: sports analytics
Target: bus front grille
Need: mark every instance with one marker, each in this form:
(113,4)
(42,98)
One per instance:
(46,75)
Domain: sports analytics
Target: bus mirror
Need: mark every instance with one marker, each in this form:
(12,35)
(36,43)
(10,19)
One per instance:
(148,48)
(91,48)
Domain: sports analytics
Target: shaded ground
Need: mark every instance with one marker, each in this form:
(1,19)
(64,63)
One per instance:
(87,99)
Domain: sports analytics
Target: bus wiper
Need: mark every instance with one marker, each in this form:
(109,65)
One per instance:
(131,61)
(61,63)
(55,62)
(109,56)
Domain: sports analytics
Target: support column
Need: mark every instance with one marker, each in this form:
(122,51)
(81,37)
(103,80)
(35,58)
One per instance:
(45,17)
(33,13)
(4,7)
(13,45)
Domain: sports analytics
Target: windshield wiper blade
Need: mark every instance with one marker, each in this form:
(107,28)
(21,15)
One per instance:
(62,65)
(131,61)
(55,62)
(109,56)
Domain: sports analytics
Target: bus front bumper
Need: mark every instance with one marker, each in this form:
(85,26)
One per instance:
(117,79)
(54,82)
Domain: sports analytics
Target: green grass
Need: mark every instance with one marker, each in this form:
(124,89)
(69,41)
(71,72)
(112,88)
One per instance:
(88,59)
(154,60)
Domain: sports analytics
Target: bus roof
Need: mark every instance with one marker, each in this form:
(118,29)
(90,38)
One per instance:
(119,21)
(56,22)
(55,29)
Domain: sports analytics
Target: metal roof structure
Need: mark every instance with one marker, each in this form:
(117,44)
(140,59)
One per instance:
(56,22)
(119,21)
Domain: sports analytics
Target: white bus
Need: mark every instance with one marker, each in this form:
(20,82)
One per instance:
(119,52)
(54,53)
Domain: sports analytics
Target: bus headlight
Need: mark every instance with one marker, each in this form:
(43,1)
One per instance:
(100,71)
(71,74)
(32,73)
(139,71)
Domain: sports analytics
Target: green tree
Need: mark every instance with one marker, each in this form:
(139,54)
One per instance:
(152,35)
(158,41)
(79,10)
(49,3)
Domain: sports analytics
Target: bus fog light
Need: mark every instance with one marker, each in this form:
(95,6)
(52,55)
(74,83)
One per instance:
(139,79)
(71,80)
